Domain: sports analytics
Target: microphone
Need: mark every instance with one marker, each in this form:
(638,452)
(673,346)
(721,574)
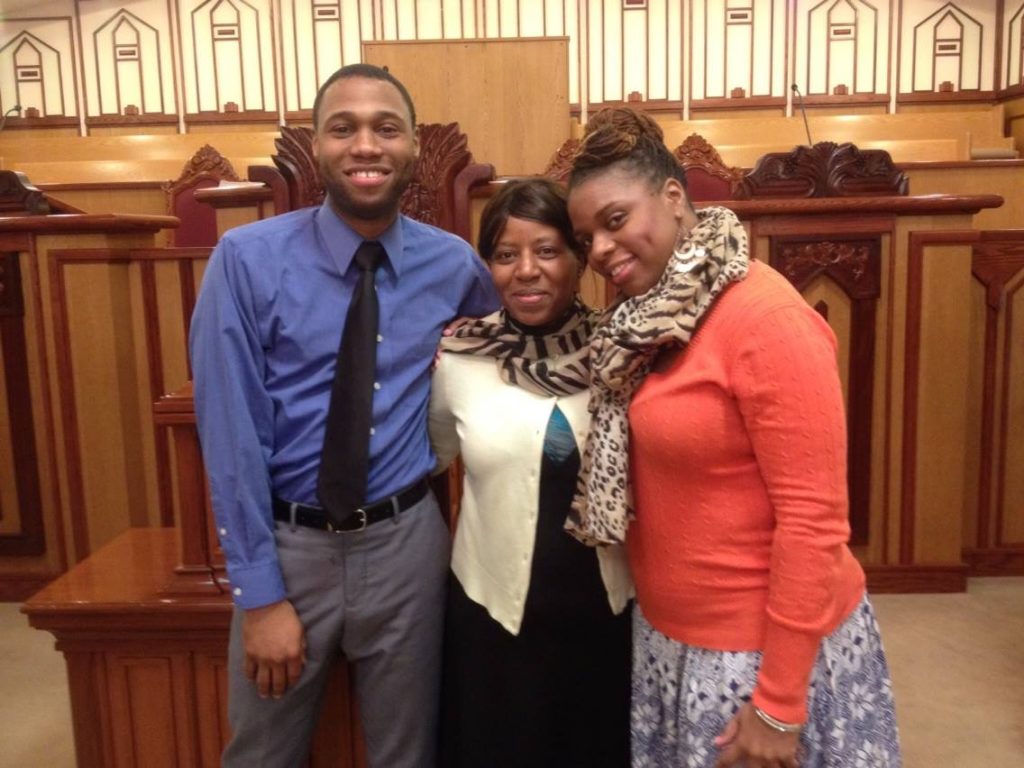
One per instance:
(3,120)
(800,96)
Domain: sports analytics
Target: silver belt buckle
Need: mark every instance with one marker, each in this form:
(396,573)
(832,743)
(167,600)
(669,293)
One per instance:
(362,524)
(362,521)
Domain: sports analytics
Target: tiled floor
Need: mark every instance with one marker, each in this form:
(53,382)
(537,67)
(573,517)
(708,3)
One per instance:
(957,663)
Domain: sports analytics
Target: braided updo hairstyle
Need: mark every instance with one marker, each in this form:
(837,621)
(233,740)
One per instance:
(629,140)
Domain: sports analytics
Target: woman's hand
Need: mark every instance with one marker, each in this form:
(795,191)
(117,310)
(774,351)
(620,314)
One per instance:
(749,742)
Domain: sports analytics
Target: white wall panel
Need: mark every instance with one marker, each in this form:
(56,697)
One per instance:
(127,57)
(842,43)
(318,37)
(944,41)
(663,49)
(227,55)
(1012,70)
(38,59)
(738,44)
(428,19)
(636,50)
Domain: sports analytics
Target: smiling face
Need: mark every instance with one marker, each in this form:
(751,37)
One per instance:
(535,272)
(365,146)
(627,228)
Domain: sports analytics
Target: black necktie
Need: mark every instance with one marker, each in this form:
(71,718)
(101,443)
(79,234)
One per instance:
(345,459)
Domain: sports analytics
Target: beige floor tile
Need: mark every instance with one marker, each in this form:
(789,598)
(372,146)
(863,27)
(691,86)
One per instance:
(34,707)
(957,666)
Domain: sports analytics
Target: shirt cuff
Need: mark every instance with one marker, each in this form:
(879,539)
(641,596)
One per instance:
(257,585)
(785,675)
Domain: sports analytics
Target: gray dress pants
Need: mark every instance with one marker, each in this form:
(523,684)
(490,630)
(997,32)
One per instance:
(378,597)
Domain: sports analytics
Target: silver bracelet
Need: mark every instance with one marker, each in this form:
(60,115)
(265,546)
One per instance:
(777,725)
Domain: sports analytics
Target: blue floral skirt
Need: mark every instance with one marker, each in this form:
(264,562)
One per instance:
(683,696)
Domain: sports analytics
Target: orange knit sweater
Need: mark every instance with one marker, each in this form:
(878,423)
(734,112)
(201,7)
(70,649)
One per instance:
(738,461)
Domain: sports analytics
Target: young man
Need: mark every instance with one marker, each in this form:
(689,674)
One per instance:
(349,554)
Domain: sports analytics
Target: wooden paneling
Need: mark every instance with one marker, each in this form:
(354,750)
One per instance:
(854,264)
(118,341)
(93,330)
(21,504)
(935,424)
(509,96)
(994,533)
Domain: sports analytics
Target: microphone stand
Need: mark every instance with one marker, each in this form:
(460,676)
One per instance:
(3,120)
(807,128)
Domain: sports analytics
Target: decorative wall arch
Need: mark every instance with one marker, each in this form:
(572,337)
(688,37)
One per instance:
(947,47)
(229,42)
(131,48)
(37,73)
(842,46)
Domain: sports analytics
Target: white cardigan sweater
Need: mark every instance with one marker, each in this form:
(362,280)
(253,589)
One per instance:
(499,428)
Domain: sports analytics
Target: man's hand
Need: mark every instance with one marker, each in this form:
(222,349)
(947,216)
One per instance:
(454,325)
(449,330)
(749,742)
(275,647)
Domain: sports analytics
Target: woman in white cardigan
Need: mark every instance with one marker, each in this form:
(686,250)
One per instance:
(537,654)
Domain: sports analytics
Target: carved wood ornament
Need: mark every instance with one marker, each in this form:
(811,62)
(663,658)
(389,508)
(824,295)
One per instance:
(294,159)
(825,170)
(697,152)
(207,162)
(561,163)
(444,151)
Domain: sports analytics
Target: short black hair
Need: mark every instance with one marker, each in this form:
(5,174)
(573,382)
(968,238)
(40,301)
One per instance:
(534,199)
(370,72)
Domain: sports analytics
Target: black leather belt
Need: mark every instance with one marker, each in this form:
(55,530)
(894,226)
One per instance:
(316,517)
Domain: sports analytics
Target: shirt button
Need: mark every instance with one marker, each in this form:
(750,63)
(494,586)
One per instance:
(237,591)
(223,531)
(373,431)
(376,385)
(379,338)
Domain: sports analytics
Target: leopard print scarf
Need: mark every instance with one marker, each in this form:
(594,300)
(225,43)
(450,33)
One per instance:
(551,362)
(621,352)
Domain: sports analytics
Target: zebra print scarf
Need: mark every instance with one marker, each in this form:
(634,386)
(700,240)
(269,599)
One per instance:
(552,363)
(712,256)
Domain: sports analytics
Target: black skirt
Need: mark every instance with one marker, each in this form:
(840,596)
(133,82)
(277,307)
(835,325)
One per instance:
(556,694)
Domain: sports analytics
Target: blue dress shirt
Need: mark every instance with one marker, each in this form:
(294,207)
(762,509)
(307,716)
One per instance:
(264,342)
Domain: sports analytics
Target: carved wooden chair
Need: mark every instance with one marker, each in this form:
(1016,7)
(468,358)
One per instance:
(438,193)
(707,177)
(206,168)
(825,170)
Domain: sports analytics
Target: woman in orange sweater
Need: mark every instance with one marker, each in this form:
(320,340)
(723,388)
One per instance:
(718,437)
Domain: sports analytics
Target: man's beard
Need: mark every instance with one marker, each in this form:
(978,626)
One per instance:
(345,205)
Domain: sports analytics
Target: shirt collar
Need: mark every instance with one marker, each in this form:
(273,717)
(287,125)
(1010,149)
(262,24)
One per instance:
(341,241)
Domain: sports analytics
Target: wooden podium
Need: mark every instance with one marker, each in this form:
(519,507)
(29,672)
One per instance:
(143,625)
